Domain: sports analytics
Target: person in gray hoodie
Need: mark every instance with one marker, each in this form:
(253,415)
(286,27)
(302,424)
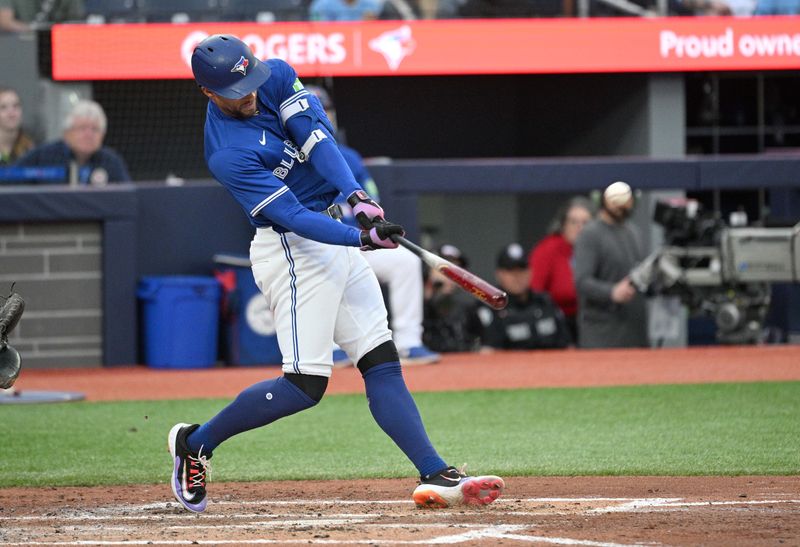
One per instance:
(611,313)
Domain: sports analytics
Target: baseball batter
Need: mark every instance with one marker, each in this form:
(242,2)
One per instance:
(268,141)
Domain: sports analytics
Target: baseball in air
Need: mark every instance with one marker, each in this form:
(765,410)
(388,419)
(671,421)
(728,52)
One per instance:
(617,194)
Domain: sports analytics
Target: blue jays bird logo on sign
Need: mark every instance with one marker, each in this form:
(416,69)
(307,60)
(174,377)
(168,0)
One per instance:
(241,66)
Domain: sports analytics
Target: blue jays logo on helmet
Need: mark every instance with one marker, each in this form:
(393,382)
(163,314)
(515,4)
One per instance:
(222,63)
(241,66)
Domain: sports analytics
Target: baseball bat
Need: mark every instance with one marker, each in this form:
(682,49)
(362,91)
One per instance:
(474,285)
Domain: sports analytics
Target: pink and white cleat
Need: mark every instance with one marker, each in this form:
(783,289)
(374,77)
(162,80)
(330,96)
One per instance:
(453,486)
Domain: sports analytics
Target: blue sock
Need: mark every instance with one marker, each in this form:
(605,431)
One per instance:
(396,413)
(258,405)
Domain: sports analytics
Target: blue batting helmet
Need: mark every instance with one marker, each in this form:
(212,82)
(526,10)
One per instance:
(226,65)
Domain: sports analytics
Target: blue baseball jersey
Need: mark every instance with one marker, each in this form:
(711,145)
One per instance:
(260,160)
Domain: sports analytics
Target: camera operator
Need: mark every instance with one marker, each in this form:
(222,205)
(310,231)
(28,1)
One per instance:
(611,313)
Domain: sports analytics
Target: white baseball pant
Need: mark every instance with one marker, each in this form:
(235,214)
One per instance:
(401,270)
(318,294)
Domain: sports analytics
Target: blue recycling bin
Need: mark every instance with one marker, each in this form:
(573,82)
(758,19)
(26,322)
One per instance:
(180,320)
(248,327)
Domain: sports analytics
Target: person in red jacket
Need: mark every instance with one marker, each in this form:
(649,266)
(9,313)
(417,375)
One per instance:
(551,259)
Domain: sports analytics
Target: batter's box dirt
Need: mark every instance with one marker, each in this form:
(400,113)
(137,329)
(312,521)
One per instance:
(540,511)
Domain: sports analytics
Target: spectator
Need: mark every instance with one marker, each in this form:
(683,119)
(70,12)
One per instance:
(610,311)
(399,269)
(531,320)
(741,8)
(397,10)
(451,322)
(778,7)
(81,151)
(484,9)
(14,142)
(439,9)
(345,10)
(25,15)
(551,260)
(697,7)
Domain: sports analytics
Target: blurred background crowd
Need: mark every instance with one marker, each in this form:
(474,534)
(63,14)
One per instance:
(22,15)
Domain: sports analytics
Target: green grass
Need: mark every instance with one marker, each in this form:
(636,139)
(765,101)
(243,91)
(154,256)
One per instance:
(727,429)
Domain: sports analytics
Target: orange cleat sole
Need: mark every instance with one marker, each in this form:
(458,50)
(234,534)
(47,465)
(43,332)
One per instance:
(428,499)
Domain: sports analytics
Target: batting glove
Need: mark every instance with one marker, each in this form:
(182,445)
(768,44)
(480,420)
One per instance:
(364,208)
(380,236)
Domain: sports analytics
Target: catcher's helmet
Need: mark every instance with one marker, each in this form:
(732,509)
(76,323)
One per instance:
(226,65)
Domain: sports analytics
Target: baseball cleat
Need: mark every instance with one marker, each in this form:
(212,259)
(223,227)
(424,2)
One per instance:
(189,469)
(453,486)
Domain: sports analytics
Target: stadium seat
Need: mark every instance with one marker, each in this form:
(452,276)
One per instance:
(180,11)
(112,11)
(264,10)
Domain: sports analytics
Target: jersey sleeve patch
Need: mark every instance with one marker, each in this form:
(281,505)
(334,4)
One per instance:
(295,104)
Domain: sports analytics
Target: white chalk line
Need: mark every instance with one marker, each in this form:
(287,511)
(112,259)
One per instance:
(338,522)
(669,503)
(179,516)
(438,541)
(404,502)
(270,521)
(478,531)
(167,505)
(293,524)
(171,506)
(211,516)
(503,531)
(634,505)
(742,502)
(631,505)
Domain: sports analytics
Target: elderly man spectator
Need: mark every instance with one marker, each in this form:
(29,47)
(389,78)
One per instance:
(611,314)
(25,15)
(81,152)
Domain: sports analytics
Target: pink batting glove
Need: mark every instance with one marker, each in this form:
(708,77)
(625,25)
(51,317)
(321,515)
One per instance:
(364,208)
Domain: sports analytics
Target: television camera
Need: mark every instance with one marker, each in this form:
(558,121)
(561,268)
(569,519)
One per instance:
(719,270)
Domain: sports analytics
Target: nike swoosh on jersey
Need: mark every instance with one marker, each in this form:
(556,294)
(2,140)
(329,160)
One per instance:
(263,139)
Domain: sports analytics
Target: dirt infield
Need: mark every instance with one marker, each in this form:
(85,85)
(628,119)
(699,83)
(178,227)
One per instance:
(596,511)
(599,511)
(499,370)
